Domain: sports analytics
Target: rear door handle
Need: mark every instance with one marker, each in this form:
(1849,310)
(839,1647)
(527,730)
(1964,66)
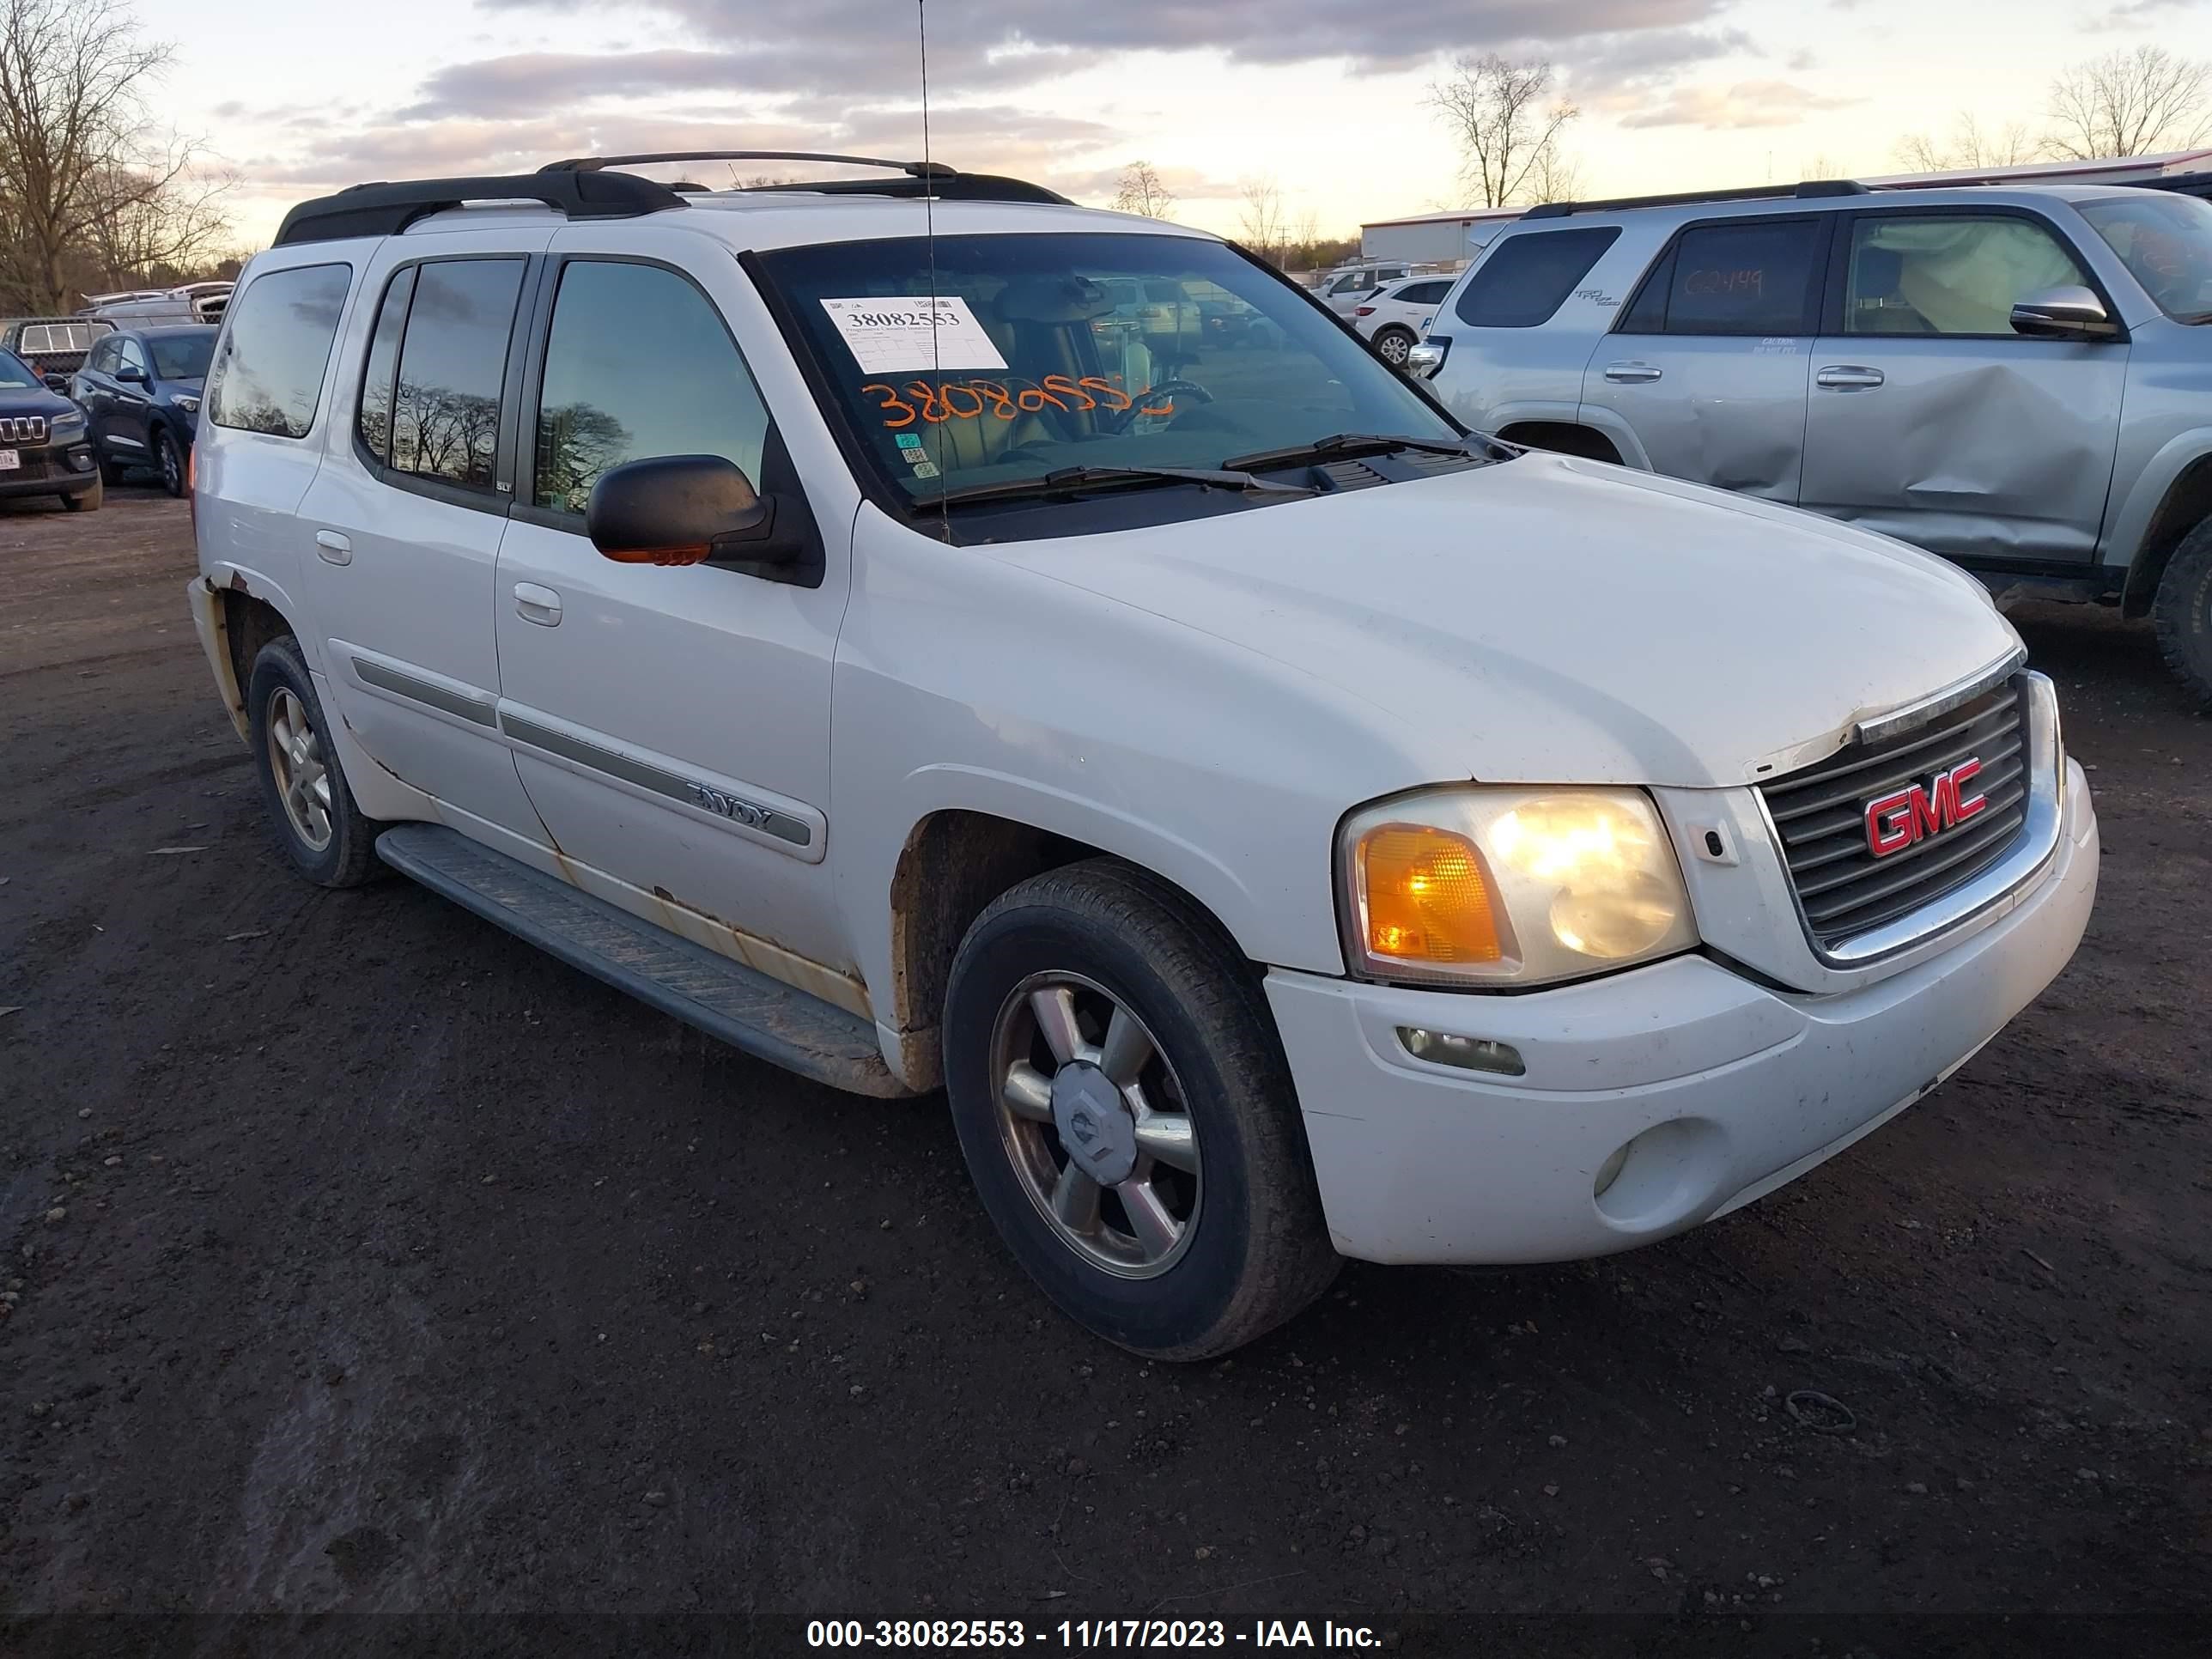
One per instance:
(332,548)
(1848,377)
(1633,374)
(537,604)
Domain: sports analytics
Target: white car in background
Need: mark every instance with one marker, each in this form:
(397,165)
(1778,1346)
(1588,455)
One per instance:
(1397,317)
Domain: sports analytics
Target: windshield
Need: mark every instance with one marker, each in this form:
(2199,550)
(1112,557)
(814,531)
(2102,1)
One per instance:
(1094,350)
(183,356)
(14,376)
(2165,242)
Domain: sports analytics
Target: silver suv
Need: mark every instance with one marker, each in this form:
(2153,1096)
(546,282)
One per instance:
(2020,380)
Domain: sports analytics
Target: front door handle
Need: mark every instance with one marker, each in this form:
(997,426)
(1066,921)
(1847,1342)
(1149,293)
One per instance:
(1848,377)
(534,603)
(332,548)
(1633,374)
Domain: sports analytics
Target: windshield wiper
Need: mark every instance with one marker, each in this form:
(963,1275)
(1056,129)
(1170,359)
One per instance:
(1345,445)
(1068,480)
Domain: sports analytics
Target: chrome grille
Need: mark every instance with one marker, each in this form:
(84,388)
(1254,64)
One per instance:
(1819,813)
(23,429)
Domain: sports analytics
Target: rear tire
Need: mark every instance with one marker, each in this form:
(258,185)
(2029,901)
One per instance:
(169,464)
(2183,612)
(1207,1231)
(321,831)
(86,501)
(1392,344)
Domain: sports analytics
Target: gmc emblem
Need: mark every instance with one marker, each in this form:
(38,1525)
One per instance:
(1894,822)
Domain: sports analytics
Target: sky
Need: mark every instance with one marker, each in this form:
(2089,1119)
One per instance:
(1324,97)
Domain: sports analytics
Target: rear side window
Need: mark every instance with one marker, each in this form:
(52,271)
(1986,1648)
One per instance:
(1526,279)
(1748,276)
(1423,294)
(639,364)
(452,361)
(381,375)
(270,377)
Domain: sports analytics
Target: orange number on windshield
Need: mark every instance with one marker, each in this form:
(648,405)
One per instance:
(892,403)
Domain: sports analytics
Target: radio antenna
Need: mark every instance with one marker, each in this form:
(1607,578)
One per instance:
(929,242)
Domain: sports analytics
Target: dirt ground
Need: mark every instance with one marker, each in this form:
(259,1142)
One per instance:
(359,1260)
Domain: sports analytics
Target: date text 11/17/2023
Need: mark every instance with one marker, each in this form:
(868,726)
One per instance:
(1073,1635)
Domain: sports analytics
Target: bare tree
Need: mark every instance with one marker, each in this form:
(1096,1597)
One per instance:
(2131,103)
(1260,224)
(1503,118)
(1556,177)
(1969,146)
(84,177)
(1141,191)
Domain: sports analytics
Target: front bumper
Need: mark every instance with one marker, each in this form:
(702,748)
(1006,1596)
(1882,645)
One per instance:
(66,471)
(1720,1090)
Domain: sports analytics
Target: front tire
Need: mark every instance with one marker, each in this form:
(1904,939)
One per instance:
(2183,612)
(1127,1115)
(1392,345)
(86,501)
(169,462)
(325,836)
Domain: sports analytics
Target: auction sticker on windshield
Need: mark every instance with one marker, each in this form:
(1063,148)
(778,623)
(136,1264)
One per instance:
(901,332)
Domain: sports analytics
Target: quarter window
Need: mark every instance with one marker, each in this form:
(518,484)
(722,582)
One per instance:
(1923,274)
(1527,278)
(1746,276)
(639,364)
(453,361)
(270,377)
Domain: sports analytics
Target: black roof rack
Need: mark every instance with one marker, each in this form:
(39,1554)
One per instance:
(1811,188)
(386,208)
(946,183)
(588,187)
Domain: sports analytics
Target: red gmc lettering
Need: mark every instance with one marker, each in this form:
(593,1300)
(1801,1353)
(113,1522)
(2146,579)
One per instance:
(1894,822)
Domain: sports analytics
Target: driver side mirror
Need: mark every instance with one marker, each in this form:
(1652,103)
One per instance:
(685,509)
(2068,313)
(132,372)
(57,383)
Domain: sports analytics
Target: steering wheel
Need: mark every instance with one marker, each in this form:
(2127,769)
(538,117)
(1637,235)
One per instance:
(1121,420)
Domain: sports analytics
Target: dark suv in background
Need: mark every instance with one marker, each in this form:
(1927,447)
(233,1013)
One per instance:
(42,443)
(140,391)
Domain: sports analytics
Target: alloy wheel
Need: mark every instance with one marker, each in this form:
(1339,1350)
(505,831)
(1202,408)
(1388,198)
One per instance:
(1096,1124)
(1392,349)
(303,777)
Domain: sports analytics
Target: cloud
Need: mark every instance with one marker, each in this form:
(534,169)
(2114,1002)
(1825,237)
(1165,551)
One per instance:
(1744,104)
(871,47)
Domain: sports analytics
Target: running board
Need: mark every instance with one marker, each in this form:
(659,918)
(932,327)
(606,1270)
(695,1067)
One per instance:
(726,999)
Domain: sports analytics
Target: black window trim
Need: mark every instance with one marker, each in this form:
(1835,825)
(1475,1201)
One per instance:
(778,476)
(476,498)
(1839,256)
(1662,265)
(226,343)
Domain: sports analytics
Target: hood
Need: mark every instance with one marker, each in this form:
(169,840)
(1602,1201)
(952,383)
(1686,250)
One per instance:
(1548,620)
(34,400)
(191,387)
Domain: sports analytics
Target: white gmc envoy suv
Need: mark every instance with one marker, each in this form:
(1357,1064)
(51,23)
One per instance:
(1287,825)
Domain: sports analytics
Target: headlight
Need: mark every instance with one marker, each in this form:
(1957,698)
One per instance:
(189,405)
(1490,886)
(66,426)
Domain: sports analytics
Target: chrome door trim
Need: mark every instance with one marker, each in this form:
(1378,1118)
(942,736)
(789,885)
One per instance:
(476,710)
(703,797)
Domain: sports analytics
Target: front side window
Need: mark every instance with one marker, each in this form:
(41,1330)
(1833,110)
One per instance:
(1745,277)
(1928,274)
(1033,364)
(1527,277)
(133,357)
(271,378)
(639,364)
(453,361)
(2165,242)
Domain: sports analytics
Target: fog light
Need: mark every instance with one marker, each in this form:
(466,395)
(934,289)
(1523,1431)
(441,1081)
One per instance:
(1469,1054)
(1609,1171)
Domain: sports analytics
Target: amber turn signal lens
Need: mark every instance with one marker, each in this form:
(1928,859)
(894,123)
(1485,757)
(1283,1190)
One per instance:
(1426,898)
